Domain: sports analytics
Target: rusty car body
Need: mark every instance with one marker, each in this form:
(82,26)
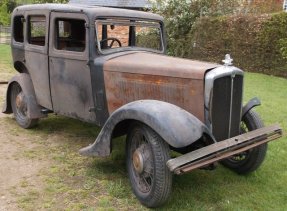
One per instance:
(108,66)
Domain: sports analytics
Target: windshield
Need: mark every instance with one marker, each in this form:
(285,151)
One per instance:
(120,35)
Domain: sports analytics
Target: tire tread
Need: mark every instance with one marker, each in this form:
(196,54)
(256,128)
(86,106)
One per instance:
(163,180)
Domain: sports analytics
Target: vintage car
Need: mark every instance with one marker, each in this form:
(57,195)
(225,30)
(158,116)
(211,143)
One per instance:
(108,66)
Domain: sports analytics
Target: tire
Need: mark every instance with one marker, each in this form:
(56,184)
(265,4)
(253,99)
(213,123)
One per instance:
(146,157)
(19,107)
(248,161)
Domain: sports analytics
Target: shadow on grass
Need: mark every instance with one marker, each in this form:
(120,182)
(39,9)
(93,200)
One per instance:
(68,126)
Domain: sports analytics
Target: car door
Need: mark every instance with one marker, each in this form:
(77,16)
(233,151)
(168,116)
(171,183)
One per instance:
(36,54)
(70,77)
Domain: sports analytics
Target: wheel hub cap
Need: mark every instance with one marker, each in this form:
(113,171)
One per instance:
(20,103)
(138,161)
(19,100)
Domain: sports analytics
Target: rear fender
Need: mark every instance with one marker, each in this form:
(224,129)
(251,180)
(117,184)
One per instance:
(175,125)
(33,109)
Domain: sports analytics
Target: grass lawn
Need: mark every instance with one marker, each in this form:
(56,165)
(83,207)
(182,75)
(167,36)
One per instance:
(73,182)
(6,67)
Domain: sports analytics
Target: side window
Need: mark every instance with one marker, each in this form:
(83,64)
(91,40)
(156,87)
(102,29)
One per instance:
(70,35)
(37,30)
(18,28)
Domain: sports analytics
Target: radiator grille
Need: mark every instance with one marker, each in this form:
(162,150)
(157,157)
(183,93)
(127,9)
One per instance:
(222,107)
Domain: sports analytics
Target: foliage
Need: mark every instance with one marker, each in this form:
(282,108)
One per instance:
(208,29)
(261,6)
(6,7)
(10,5)
(149,38)
(180,16)
(257,43)
(272,42)
(283,47)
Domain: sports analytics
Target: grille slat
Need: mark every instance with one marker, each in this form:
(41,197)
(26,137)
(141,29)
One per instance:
(237,106)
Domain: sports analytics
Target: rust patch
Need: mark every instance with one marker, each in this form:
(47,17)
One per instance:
(122,88)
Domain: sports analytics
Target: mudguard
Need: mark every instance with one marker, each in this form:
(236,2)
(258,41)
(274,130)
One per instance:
(251,104)
(176,126)
(33,109)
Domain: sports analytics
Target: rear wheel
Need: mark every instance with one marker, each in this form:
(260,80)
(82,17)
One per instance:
(19,107)
(250,160)
(147,154)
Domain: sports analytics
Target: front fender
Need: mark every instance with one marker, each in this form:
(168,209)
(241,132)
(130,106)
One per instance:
(251,104)
(33,109)
(175,125)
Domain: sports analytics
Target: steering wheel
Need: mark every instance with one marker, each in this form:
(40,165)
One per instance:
(113,41)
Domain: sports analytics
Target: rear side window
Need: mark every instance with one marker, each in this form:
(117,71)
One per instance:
(70,35)
(37,30)
(18,28)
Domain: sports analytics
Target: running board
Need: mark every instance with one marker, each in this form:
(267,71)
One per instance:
(223,149)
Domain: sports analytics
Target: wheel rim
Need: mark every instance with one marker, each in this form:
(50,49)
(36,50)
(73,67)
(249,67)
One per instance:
(142,162)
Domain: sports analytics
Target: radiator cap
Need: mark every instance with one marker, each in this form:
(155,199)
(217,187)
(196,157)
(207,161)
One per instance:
(228,60)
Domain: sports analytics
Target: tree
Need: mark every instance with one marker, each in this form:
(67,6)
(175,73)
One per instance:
(11,6)
(181,15)
(6,7)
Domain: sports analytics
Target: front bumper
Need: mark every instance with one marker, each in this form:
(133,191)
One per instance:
(223,149)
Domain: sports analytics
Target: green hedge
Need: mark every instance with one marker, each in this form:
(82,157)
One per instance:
(257,43)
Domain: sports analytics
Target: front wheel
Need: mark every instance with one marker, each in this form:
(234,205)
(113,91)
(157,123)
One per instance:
(146,157)
(19,107)
(250,160)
